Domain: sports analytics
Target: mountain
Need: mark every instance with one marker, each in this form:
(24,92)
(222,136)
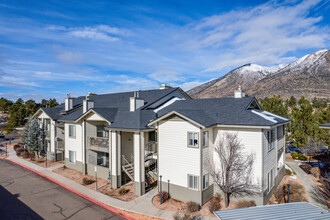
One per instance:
(308,76)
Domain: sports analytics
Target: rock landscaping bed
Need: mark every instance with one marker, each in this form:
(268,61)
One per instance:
(125,193)
(191,209)
(297,191)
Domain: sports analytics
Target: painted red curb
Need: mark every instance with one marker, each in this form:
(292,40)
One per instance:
(75,191)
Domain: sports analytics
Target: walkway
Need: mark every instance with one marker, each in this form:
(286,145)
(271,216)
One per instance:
(314,194)
(141,205)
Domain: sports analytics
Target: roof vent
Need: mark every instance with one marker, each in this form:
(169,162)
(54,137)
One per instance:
(165,86)
(239,93)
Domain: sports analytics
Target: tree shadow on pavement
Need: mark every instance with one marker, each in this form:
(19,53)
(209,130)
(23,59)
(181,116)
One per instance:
(317,195)
(12,208)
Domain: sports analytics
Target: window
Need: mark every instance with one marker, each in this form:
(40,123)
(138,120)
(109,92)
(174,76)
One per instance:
(72,156)
(205,141)
(205,181)
(270,139)
(72,131)
(101,132)
(193,139)
(192,182)
(270,179)
(103,159)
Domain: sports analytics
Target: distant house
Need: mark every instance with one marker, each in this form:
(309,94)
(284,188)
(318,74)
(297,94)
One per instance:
(136,136)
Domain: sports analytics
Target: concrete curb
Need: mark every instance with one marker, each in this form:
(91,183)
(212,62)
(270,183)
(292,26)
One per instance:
(74,191)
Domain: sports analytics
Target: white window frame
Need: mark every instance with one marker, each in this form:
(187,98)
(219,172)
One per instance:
(195,137)
(194,184)
(206,181)
(205,141)
(270,181)
(74,131)
(72,160)
(270,139)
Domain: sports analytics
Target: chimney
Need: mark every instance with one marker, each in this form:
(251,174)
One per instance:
(87,103)
(165,86)
(135,102)
(68,102)
(239,93)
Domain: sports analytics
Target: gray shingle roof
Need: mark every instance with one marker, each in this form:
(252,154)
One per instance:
(222,111)
(207,112)
(292,211)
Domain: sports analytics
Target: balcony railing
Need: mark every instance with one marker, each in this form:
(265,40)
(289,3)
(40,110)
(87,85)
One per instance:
(98,143)
(150,149)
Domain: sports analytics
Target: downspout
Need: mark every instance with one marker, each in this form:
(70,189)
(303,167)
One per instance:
(201,165)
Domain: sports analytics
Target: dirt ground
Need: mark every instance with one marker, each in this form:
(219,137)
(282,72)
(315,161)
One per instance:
(102,185)
(181,207)
(286,179)
(42,163)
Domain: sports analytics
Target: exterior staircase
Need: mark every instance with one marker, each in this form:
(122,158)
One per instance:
(128,168)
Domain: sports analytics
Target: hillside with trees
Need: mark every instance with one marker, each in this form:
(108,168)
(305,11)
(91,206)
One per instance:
(14,114)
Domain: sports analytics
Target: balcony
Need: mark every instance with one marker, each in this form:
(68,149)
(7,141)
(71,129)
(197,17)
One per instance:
(98,144)
(150,150)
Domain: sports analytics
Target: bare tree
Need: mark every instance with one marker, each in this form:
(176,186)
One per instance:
(232,170)
(312,147)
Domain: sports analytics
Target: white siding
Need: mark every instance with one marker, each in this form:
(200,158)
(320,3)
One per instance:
(270,158)
(176,159)
(74,144)
(251,139)
(95,117)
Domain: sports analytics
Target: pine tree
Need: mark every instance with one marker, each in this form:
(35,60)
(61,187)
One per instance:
(275,105)
(303,123)
(292,101)
(33,137)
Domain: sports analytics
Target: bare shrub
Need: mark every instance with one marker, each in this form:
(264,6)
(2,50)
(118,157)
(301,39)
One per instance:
(40,160)
(218,197)
(306,167)
(122,191)
(16,146)
(214,206)
(298,198)
(164,194)
(316,172)
(193,206)
(87,180)
(178,216)
(278,194)
(245,203)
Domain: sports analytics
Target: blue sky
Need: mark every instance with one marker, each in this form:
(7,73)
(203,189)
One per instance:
(51,48)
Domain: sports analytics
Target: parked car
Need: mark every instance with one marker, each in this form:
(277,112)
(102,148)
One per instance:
(315,164)
(293,149)
(2,136)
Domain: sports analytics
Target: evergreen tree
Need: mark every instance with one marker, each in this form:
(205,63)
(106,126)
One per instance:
(322,116)
(33,137)
(275,105)
(291,102)
(303,123)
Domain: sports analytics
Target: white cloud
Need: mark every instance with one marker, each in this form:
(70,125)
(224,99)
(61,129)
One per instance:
(165,76)
(71,57)
(92,34)
(262,35)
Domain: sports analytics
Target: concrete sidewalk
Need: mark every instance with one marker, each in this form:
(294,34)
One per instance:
(141,205)
(314,194)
